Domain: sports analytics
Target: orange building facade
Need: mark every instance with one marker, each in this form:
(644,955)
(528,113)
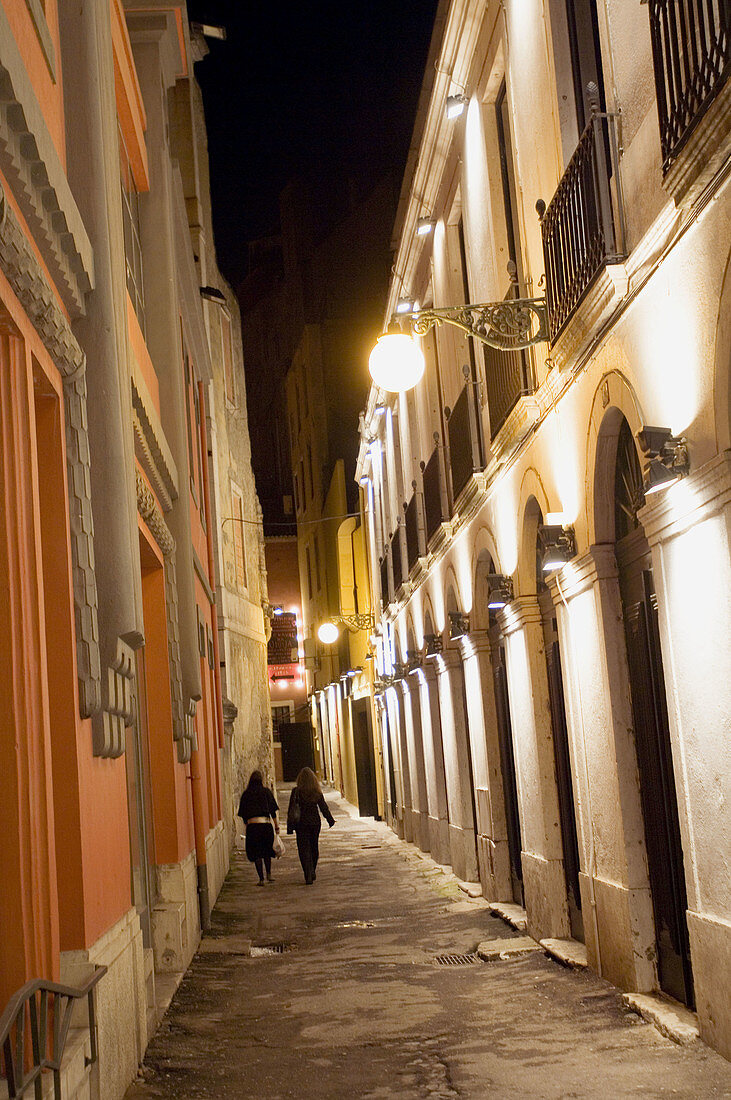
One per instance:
(113,745)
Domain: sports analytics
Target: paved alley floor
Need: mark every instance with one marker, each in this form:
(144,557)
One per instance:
(356,1007)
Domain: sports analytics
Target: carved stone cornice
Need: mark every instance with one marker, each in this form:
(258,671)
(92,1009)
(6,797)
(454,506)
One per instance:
(522,611)
(31,164)
(597,564)
(151,449)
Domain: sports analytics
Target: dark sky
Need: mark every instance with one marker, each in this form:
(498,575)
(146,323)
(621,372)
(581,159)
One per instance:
(324,87)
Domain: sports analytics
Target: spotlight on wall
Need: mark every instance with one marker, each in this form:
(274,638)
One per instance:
(559,545)
(212,294)
(667,458)
(413,659)
(500,591)
(405,305)
(456,105)
(459,625)
(278,610)
(424,227)
(433,645)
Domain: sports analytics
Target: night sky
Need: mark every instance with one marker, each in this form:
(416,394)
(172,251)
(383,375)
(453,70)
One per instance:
(325,88)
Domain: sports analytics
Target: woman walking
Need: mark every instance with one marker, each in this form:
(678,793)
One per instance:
(306,803)
(259,810)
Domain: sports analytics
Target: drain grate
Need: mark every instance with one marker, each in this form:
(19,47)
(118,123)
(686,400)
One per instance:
(270,949)
(456,960)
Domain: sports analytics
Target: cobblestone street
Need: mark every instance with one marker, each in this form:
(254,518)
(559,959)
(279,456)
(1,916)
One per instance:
(356,1006)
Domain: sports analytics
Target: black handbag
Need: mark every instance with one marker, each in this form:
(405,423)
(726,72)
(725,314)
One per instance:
(294,813)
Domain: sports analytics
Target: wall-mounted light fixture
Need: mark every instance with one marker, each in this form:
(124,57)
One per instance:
(500,591)
(405,305)
(212,294)
(413,659)
(424,227)
(433,645)
(459,625)
(456,105)
(329,631)
(559,545)
(667,458)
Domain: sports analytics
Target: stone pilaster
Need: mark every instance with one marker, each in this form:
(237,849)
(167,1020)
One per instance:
(436,784)
(457,765)
(417,772)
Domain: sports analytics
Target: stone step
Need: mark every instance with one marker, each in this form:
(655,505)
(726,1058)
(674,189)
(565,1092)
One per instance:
(568,952)
(671,1019)
(509,948)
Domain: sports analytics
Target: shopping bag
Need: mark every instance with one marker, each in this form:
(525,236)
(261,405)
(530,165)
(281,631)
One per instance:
(278,846)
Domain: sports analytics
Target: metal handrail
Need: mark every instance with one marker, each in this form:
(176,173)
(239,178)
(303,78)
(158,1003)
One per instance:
(34,999)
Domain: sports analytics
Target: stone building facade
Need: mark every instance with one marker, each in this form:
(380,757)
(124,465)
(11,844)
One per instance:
(118,807)
(553,669)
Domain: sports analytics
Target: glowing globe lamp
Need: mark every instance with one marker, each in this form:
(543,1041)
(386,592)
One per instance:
(328,633)
(396,363)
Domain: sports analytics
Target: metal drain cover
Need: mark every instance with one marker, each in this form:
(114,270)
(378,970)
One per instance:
(270,949)
(457,960)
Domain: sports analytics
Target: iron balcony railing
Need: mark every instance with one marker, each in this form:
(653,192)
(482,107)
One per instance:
(583,227)
(385,586)
(691,50)
(435,511)
(397,567)
(463,432)
(33,1032)
(412,531)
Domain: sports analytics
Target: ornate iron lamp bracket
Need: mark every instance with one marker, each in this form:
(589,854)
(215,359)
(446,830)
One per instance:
(508,325)
(354,622)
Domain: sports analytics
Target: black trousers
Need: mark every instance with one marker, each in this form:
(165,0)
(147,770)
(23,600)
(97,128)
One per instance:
(308,848)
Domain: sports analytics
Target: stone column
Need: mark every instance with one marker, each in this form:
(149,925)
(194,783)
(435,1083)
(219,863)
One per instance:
(93,170)
(148,33)
(405,759)
(417,770)
(689,533)
(542,855)
(436,783)
(492,836)
(457,765)
(615,893)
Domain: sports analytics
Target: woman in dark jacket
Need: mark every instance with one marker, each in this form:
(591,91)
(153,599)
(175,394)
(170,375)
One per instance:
(256,808)
(306,803)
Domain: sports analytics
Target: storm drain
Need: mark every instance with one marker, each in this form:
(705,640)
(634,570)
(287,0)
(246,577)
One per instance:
(456,960)
(270,949)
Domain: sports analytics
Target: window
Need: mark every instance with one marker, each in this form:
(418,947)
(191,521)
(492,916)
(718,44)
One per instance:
(228,363)
(302,484)
(317,563)
(507,173)
(131,225)
(239,540)
(309,472)
(308,567)
(199,442)
(297,498)
(187,373)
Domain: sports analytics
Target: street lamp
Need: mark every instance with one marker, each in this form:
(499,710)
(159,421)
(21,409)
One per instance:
(329,631)
(397,363)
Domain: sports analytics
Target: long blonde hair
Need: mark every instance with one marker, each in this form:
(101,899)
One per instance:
(308,785)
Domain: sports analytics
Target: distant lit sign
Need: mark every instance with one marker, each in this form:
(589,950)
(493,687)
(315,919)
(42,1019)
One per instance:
(283,648)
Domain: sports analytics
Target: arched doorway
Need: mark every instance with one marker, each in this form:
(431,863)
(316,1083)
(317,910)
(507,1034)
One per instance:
(652,733)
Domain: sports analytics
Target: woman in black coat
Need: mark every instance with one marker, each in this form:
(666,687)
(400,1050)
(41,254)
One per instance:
(306,803)
(258,809)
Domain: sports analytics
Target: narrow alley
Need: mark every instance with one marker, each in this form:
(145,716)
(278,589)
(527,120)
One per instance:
(357,1003)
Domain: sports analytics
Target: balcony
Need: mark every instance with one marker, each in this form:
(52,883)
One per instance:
(436,509)
(465,444)
(397,566)
(413,547)
(691,49)
(583,227)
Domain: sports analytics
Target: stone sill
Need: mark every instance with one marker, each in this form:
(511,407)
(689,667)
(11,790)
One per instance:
(519,421)
(704,152)
(671,1019)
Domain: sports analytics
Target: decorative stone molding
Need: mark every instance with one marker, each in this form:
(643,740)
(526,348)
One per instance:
(230,714)
(519,613)
(597,564)
(590,316)
(183,715)
(25,275)
(151,449)
(119,712)
(31,164)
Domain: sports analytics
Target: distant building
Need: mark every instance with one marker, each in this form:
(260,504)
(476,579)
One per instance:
(548,526)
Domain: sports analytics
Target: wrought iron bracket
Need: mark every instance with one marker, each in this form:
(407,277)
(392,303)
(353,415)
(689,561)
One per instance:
(509,325)
(354,623)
